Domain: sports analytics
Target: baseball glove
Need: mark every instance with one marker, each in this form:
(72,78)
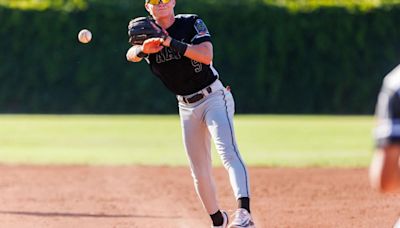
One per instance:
(143,28)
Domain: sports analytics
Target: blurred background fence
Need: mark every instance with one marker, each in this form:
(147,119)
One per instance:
(320,57)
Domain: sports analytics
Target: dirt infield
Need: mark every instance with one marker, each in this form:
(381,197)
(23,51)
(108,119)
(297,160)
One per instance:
(84,196)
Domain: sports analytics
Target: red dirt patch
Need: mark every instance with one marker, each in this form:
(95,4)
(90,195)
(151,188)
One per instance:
(85,196)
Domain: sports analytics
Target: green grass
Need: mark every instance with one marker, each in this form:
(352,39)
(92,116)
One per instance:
(264,140)
(306,140)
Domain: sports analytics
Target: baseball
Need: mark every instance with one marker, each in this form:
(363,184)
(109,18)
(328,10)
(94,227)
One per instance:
(84,36)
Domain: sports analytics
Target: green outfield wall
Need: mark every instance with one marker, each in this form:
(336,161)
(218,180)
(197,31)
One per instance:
(277,60)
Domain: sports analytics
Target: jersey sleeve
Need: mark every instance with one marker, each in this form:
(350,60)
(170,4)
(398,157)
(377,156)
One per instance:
(388,115)
(201,33)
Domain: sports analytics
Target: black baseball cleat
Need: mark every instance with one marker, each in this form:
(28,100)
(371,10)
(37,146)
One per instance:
(226,220)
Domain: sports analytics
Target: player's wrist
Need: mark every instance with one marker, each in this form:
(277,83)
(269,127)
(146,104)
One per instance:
(139,51)
(167,41)
(178,46)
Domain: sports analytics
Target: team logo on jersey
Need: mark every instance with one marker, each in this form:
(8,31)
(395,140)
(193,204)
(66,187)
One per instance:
(201,28)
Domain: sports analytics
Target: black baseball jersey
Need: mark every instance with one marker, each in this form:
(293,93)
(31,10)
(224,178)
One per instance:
(388,110)
(180,74)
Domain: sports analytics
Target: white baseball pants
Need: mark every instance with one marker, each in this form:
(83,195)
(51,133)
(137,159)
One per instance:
(212,117)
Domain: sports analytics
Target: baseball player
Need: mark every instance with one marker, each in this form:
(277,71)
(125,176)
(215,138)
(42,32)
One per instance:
(181,57)
(385,165)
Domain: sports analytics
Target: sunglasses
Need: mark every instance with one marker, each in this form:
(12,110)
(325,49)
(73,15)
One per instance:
(156,2)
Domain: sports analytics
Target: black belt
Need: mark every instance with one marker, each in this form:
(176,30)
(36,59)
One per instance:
(196,97)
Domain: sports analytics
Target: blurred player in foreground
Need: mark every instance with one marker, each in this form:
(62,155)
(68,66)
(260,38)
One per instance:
(384,170)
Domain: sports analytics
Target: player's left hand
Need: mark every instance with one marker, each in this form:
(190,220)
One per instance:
(141,29)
